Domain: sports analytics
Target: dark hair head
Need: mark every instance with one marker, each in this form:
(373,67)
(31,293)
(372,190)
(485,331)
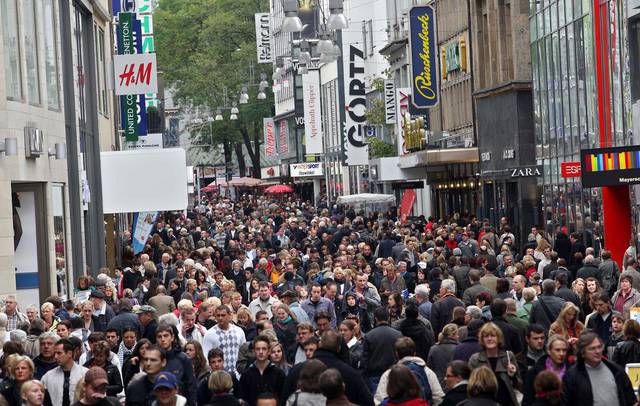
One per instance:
(547,386)
(631,330)
(67,345)
(381,314)
(484,297)
(460,368)
(535,328)
(411,311)
(498,308)
(330,340)
(402,383)
(215,353)
(163,353)
(308,379)
(586,339)
(502,285)
(331,384)
(405,347)
(473,328)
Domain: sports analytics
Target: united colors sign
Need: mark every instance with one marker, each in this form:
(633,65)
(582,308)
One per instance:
(424,54)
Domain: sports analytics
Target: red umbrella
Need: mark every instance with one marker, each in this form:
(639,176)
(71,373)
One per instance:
(279,189)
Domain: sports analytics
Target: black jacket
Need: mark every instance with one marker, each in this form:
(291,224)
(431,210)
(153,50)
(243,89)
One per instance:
(180,365)
(378,350)
(466,349)
(547,313)
(125,319)
(226,399)
(113,375)
(42,367)
(455,396)
(600,326)
(441,312)
(149,332)
(577,388)
(140,391)
(420,334)
(356,390)
(512,340)
(479,401)
(626,352)
(253,383)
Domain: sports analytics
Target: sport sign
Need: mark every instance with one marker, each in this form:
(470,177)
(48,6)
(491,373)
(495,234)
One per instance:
(135,74)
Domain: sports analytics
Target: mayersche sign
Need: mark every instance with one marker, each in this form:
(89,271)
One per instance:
(610,166)
(424,57)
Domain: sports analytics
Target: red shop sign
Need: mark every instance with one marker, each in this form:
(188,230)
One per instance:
(570,169)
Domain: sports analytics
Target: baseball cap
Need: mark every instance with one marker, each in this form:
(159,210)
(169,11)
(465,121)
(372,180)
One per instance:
(165,380)
(96,376)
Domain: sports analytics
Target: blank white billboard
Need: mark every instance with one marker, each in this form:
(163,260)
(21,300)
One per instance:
(144,180)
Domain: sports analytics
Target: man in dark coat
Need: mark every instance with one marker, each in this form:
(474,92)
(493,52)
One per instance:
(546,310)
(562,246)
(125,319)
(327,352)
(378,348)
(469,345)
(614,386)
(512,338)
(442,309)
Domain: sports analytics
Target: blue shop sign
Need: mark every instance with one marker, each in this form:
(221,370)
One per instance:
(424,54)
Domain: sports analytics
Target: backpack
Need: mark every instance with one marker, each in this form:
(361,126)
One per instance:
(423,381)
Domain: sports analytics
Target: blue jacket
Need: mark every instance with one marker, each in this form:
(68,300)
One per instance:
(323,305)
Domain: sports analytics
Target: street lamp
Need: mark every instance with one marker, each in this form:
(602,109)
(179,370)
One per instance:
(305,54)
(219,115)
(244,96)
(291,22)
(336,20)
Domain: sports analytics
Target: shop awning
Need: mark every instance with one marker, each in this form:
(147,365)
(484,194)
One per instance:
(434,157)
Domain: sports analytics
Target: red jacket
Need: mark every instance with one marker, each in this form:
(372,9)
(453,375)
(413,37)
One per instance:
(412,402)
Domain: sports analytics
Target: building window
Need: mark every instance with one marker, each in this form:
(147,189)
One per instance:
(11,44)
(31,51)
(49,22)
(103,100)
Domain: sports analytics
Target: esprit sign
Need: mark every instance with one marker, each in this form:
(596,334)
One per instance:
(135,74)
(424,65)
(570,169)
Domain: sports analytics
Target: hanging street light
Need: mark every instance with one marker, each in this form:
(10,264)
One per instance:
(336,20)
(291,22)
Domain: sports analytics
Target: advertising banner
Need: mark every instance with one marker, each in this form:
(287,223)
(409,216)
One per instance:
(306,169)
(312,113)
(133,108)
(389,102)
(403,100)
(610,166)
(269,137)
(142,225)
(424,57)
(135,74)
(355,147)
(263,37)
(570,169)
(284,137)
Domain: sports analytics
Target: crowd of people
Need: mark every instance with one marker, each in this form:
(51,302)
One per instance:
(267,303)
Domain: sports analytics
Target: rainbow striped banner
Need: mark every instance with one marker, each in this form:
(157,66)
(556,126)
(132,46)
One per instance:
(612,161)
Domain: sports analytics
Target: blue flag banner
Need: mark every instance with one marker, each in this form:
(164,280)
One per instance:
(143,223)
(424,57)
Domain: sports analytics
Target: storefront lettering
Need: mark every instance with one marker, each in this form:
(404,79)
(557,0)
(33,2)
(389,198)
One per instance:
(357,102)
(525,172)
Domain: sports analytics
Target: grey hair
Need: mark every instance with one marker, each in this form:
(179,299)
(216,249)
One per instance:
(589,259)
(449,285)
(169,319)
(422,290)
(475,312)
(49,335)
(584,341)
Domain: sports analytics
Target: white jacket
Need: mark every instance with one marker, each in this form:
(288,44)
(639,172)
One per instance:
(436,390)
(54,380)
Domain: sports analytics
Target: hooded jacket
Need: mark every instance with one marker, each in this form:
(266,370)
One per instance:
(436,390)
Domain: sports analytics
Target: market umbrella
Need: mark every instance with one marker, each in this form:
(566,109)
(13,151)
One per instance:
(278,189)
(245,181)
(211,187)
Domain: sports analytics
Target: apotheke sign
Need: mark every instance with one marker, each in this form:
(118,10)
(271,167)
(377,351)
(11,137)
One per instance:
(306,169)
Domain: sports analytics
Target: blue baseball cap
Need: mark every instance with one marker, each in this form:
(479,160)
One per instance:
(165,380)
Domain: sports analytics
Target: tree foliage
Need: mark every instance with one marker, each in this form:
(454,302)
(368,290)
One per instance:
(205,46)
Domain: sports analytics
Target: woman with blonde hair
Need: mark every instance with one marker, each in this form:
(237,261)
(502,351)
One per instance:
(47,313)
(220,383)
(286,327)
(567,324)
(442,353)
(21,370)
(278,357)
(502,363)
(482,388)
(32,393)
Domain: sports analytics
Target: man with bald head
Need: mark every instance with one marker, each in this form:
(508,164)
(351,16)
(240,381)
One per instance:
(519,283)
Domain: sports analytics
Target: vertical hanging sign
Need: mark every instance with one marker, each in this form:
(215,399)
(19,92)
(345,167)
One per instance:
(284,136)
(263,37)
(355,147)
(312,122)
(389,102)
(424,65)
(269,137)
